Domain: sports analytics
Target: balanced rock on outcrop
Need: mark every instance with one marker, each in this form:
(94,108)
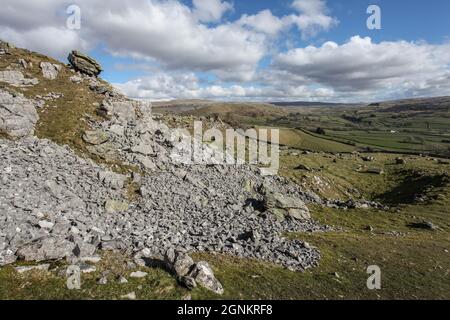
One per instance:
(84,64)
(18,115)
(283,206)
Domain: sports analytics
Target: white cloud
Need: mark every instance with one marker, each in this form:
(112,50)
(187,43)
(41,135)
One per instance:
(362,67)
(165,86)
(177,42)
(263,21)
(210,10)
(313,17)
(43,40)
(165,31)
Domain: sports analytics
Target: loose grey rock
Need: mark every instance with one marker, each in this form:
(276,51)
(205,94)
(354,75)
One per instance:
(7,256)
(115,206)
(129,296)
(138,274)
(87,268)
(112,180)
(283,206)
(76,79)
(204,276)
(49,70)
(46,248)
(41,267)
(95,137)
(183,264)
(46,224)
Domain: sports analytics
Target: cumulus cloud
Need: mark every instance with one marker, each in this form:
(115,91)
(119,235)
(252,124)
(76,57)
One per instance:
(211,10)
(313,17)
(178,42)
(168,32)
(264,22)
(168,86)
(361,66)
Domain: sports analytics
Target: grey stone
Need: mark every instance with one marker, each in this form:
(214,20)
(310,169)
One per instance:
(46,224)
(49,70)
(112,180)
(18,115)
(113,245)
(17,79)
(285,206)
(144,149)
(84,64)
(76,79)
(95,137)
(183,264)
(7,256)
(106,151)
(129,296)
(46,248)
(87,268)
(204,276)
(138,274)
(123,111)
(115,206)
(41,267)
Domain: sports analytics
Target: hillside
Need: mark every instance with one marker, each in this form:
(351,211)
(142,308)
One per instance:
(89,184)
(89,172)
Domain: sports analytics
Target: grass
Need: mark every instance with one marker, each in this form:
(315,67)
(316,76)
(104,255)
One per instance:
(302,140)
(52,285)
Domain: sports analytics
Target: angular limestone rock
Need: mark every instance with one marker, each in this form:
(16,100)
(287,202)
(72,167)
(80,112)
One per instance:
(18,115)
(84,64)
(49,70)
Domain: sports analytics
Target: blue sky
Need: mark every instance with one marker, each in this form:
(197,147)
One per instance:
(248,50)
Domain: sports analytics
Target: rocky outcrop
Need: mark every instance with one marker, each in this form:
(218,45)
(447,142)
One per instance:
(18,115)
(123,111)
(84,64)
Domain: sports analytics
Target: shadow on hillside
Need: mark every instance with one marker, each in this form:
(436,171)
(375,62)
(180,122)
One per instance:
(415,187)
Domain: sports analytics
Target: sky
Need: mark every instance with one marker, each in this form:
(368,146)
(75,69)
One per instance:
(286,50)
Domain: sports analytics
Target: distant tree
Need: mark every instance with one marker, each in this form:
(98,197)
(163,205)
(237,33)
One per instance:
(320,131)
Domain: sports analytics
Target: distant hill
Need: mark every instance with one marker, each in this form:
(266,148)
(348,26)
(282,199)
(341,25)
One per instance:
(295,104)
(412,105)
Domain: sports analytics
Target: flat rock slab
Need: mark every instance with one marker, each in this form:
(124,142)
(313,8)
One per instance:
(41,267)
(138,274)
